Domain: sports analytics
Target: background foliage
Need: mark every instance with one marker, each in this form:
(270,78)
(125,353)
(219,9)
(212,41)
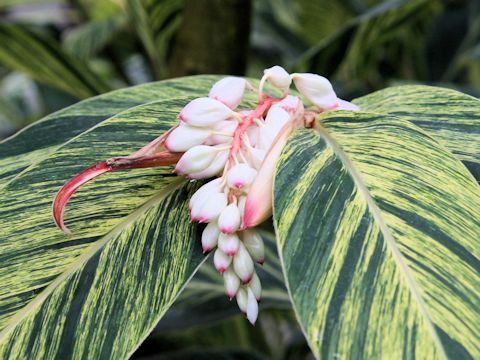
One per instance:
(54,53)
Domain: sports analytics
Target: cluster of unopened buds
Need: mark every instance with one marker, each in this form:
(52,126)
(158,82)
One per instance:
(239,150)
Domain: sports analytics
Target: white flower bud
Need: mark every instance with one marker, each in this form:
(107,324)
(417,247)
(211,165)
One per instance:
(240,176)
(217,165)
(228,243)
(278,77)
(276,118)
(231,282)
(243,264)
(317,89)
(205,112)
(208,188)
(212,207)
(242,300)
(229,91)
(224,133)
(210,237)
(221,260)
(229,219)
(252,307)
(252,133)
(290,103)
(254,244)
(185,136)
(256,286)
(256,157)
(196,159)
(241,204)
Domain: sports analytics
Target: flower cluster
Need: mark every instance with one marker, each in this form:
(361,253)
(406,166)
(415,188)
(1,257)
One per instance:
(241,147)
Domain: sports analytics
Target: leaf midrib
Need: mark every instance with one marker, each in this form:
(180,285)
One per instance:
(87,255)
(389,239)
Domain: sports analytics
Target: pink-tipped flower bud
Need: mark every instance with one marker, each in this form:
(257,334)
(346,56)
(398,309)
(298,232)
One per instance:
(346,105)
(205,112)
(229,91)
(242,299)
(254,244)
(231,282)
(222,133)
(229,220)
(252,307)
(278,77)
(196,159)
(228,243)
(243,264)
(217,165)
(208,188)
(210,237)
(221,261)
(184,137)
(290,104)
(241,176)
(317,89)
(256,286)
(212,207)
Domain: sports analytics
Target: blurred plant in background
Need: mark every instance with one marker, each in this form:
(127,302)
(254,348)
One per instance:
(54,53)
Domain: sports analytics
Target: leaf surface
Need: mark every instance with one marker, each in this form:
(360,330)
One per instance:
(451,117)
(379,239)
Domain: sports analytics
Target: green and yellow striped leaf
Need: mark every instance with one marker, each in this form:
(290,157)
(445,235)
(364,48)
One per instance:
(43,59)
(379,236)
(451,117)
(36,142)
(131,224)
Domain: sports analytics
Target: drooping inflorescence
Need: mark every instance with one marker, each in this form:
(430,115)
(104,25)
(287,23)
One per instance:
(236,149)
(238,146)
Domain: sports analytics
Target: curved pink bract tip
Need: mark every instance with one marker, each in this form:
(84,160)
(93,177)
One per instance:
(114,164)
(70,187)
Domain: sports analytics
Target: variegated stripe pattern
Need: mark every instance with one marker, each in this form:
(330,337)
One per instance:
(378,231)
(451,117)
(117,289)
(35,143)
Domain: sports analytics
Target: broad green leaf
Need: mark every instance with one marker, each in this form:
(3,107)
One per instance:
(36,142)
(378,234)
(42,58)
(108,300)
(34,252)
(449,116)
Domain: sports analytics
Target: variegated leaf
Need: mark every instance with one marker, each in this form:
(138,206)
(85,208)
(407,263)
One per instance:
(378,232)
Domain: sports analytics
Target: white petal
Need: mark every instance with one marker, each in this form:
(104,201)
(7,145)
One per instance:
(252,307)
(212,207)
(317,89)
(229,91)
(205,112)
(226,127)
(210,237)
(196,159)
(276,118)
(229,219)
(256,286)
(208,188)
(228,243)
(185,137)
(231,282)
(278,77)
(240,176)
(256,157)
(242,300)
(217,166)
(243,264)
(221,261)
(254,244)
